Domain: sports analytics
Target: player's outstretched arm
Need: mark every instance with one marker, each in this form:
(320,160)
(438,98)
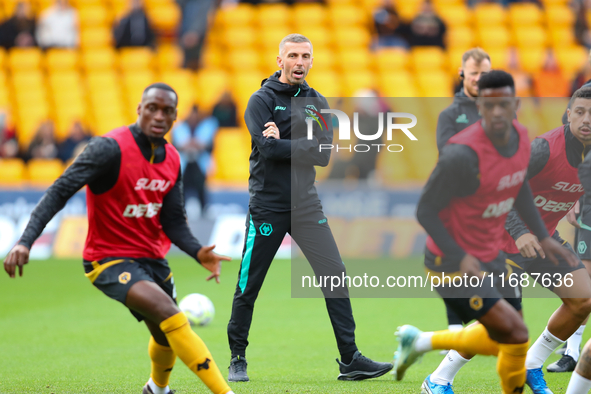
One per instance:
(17,257)
(211,261)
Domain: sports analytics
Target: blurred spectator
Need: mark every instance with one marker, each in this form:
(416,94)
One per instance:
(70,145)
(427,29)
(225,111)
(44,145)
(194,140)
(195,21)
(583,77)
(58,26)
(19,30)
(523,81)
(550,81)
(582,33)
(8,142)
(391,30)
(134,30)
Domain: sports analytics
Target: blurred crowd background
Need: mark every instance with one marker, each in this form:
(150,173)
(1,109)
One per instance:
(72,69)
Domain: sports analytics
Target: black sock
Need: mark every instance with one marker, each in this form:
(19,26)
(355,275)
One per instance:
(346,358)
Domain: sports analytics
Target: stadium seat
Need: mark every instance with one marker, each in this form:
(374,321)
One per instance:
(239,15)
(212,57)
(102,59)
(391,59)
(241,59)
(562,36)
(489,14)
(459,36)
(274,14)
(66,115)
(455,15)
(166,18)
(64,80)
(499,58)
(493,37)
(169,57)
(43,172)
(347,15)
(351,37)
(136,58)
(62,59)
(96,37)
(230,154)
(320,36)
(105,79)
(571,59)
(309,14)
(3,56)
(356,58)
(181,80)
(239,37)
(530,36)
(326,82)
(271,36)
(209,86)
(134,83)
(355,80)
(432,58)
(27,80)
(434,84)
(324,59)
(398,84)
(12,172)
(408,9)
(559,15)
(92,15)
(524,14)
(20,59)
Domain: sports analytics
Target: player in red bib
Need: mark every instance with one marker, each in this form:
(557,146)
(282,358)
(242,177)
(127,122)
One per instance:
(553,177)
(479,177)
(135,209)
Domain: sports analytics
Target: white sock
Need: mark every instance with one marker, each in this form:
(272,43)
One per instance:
(448,369)
(455,327)
(541,350)
(578,384)
(157,389)
(423,343)
(573,344)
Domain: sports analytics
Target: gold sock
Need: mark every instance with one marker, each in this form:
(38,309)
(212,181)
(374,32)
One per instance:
(163,359)
(511,366)
(193,352)
(473,339)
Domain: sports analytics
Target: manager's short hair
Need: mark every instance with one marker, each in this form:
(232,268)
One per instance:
(297,38)
(584,92)
(478,54)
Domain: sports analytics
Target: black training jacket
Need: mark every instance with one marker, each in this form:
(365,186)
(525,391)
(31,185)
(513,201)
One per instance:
(455,118)
(282,173)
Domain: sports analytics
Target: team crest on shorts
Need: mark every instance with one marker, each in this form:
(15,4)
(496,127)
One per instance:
(476,303)
(582,247)
(266,229)
(124,278)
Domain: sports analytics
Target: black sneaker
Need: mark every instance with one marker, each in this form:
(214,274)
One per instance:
(361,368)
(565,364)
(237,370)
(148,390)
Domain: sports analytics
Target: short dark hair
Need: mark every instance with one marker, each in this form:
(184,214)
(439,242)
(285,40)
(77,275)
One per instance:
(496,79)
(163,86)
(584,92)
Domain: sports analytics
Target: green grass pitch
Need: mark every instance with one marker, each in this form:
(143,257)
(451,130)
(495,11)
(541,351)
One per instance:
(58,334)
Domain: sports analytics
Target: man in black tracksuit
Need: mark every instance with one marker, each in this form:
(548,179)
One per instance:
(283,200)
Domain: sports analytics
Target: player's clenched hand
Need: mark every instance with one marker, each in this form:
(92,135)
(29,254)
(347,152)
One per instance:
(18,256)
(528,245)
(211,261)
(470,265)
(271,131)
(571,216)
(553,249)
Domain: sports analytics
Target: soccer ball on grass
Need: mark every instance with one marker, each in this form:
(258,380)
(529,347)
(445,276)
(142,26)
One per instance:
(198,309)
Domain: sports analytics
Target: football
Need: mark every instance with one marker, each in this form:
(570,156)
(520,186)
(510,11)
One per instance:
(198,308)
